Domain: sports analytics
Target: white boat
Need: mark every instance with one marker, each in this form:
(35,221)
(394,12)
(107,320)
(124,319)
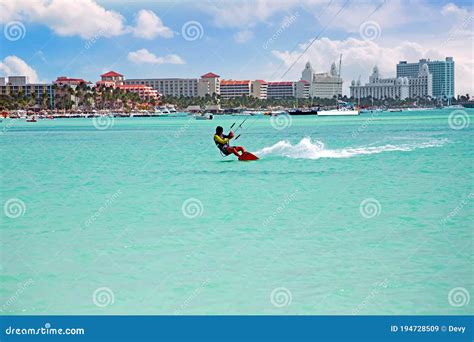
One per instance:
(278,112)
(339,112)
(204,116)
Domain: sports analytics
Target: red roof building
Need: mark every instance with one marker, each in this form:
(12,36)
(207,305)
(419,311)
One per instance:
(63,80)
(112,76)
(145,92)
(210,75)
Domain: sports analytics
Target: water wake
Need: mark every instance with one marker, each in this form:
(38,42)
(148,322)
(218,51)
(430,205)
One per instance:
(307,149)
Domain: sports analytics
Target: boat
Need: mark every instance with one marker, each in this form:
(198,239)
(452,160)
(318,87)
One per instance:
(204,116)
(395,110)
(31,119)
(343,111)
(303,111)
(278,112)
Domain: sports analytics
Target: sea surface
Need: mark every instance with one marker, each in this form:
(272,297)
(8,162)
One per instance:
(341,215)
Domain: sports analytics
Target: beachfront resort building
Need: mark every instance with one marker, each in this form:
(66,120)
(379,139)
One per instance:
(209,84)
(232,88)
(325,85)
(285,89)
(442,71)
(401,87)
(187,87)
(381,88)
(259,89)
(143,91)
(43,93)
(112,77)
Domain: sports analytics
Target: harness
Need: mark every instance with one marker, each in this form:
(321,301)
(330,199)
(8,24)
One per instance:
(222,148)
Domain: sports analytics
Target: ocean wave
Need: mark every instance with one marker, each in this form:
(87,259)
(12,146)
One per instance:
(307,149)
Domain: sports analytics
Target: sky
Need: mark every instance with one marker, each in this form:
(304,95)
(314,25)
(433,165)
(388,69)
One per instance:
(246,39)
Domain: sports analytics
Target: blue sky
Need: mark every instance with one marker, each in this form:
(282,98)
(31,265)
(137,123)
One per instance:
(244,39)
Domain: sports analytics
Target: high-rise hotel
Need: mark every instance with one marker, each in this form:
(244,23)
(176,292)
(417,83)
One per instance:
(442,71)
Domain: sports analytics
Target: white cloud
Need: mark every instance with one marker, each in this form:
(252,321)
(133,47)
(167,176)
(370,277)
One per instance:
(243,36)
(14,66)
(144,56)
(360,56)
(149,25)
(84,18)
(244,13)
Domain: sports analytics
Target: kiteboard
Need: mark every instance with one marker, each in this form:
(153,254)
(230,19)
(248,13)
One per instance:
(247,156)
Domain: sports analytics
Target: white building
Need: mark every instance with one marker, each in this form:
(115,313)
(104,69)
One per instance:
(380,88)
(187,87)
(322,85)
(209,84)
(259,89)
(421,86)
(232,88)
(395,88)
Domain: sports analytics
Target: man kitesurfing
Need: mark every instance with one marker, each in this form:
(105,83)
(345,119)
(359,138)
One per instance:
(222,142)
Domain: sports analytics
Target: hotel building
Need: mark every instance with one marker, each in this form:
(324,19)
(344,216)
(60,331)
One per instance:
(231,88)
(209,84)
(442,71)
(396,88)
(187,87)
(324,85)
(380,88)
(143,91)
(15,85)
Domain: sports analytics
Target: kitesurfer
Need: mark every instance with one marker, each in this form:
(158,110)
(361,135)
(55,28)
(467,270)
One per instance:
(222,143)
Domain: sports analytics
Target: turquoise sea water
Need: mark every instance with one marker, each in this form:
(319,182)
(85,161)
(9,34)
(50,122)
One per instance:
(348,215)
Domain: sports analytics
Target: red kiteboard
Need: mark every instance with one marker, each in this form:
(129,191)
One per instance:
(247,156)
